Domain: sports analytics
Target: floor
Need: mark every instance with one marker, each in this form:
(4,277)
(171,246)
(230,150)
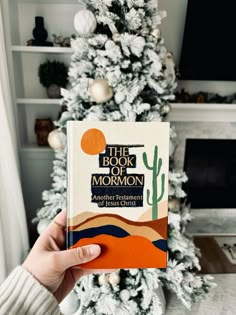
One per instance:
(220,300)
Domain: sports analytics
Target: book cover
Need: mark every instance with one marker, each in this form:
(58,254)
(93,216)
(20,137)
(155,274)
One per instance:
(118,192)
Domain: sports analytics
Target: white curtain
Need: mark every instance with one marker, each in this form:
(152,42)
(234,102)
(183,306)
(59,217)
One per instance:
(13,229)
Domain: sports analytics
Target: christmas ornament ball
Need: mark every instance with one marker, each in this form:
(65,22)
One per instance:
(165,109)
(116,37)
(42,225)
(156,33)
(70,304)
(125,295)
(114,279)
(100,91)
(174,204)
(103,279)
(85,22)
(56,139)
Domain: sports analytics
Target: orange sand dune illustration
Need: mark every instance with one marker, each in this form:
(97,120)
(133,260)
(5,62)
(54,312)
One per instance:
(80,218)
(160,226)
(124,252)
(143,230)
(162,212)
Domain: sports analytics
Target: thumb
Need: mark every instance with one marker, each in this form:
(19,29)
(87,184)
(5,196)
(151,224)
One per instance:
(76,256)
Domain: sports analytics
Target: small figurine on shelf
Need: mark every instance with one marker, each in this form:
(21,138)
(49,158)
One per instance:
(53,76)
(61,41)
(42,129)
(40,34)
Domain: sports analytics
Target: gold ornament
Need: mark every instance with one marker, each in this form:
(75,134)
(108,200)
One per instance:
(174,204)
(56,139)
(116,37)
(165,109)
(103,279)
(114,279)
(100,91)
(156,33)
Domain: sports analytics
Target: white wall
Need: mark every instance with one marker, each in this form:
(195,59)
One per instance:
(172,32)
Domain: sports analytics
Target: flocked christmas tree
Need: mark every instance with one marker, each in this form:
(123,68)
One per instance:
(121,71)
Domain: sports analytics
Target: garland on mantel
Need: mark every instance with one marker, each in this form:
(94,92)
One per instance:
(204,97)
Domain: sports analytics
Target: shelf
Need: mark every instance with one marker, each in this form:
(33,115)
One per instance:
(35,152)
(36,148)
(50,1)
(202,112)
(38,101)
(212,222)
(39,49)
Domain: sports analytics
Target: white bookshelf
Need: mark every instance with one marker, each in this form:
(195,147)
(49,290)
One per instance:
(29,97)
(39,101)
(50,50)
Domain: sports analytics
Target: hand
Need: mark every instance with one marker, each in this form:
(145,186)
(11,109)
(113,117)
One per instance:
(53,267)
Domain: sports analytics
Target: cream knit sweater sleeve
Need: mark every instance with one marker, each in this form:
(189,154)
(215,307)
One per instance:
(22,294)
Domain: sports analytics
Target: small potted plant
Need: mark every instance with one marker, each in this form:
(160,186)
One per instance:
(53,76)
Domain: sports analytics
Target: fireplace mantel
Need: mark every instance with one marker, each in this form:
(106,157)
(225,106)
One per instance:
(214,222)
(202,112)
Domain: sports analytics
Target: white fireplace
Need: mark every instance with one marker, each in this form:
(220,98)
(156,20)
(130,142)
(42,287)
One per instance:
(206,221)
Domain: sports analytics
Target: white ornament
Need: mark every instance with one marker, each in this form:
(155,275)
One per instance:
(125,295)
(100,91)
(114,279)
(134,271)
(70,304)
(85,22)
(110,45)
(103,279)
(56,139)
(42,225)
(156,33)
(119,97)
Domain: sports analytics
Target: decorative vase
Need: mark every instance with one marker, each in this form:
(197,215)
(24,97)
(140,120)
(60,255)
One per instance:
(39,32)
(42,129)
(54,91)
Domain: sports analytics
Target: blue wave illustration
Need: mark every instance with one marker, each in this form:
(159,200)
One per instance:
(113,230)
(161,244)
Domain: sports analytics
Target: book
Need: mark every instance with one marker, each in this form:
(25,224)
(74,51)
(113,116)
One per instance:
(117,194)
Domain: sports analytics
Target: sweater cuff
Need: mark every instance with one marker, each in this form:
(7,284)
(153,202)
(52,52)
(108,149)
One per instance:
(21,293)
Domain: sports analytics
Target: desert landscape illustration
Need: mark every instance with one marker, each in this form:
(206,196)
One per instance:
(122,241)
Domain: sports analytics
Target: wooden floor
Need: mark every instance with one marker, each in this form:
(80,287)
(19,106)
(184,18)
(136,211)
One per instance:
(213,259)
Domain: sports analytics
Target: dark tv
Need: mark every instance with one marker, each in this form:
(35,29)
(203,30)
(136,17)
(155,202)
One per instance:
(209,43)
(211,169)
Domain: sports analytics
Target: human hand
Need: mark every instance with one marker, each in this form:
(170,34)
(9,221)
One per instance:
(55,268)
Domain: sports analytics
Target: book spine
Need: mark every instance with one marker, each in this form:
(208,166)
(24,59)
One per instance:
(69,173)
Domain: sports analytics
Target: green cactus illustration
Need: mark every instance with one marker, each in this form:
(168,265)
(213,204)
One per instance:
(156,168)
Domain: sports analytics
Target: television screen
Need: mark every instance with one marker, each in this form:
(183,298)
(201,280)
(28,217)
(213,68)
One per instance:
(211,169)
(209,43)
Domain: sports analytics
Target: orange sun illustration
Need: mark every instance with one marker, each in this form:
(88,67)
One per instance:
(93,141)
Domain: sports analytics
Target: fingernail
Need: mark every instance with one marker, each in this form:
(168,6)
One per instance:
(94,250)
